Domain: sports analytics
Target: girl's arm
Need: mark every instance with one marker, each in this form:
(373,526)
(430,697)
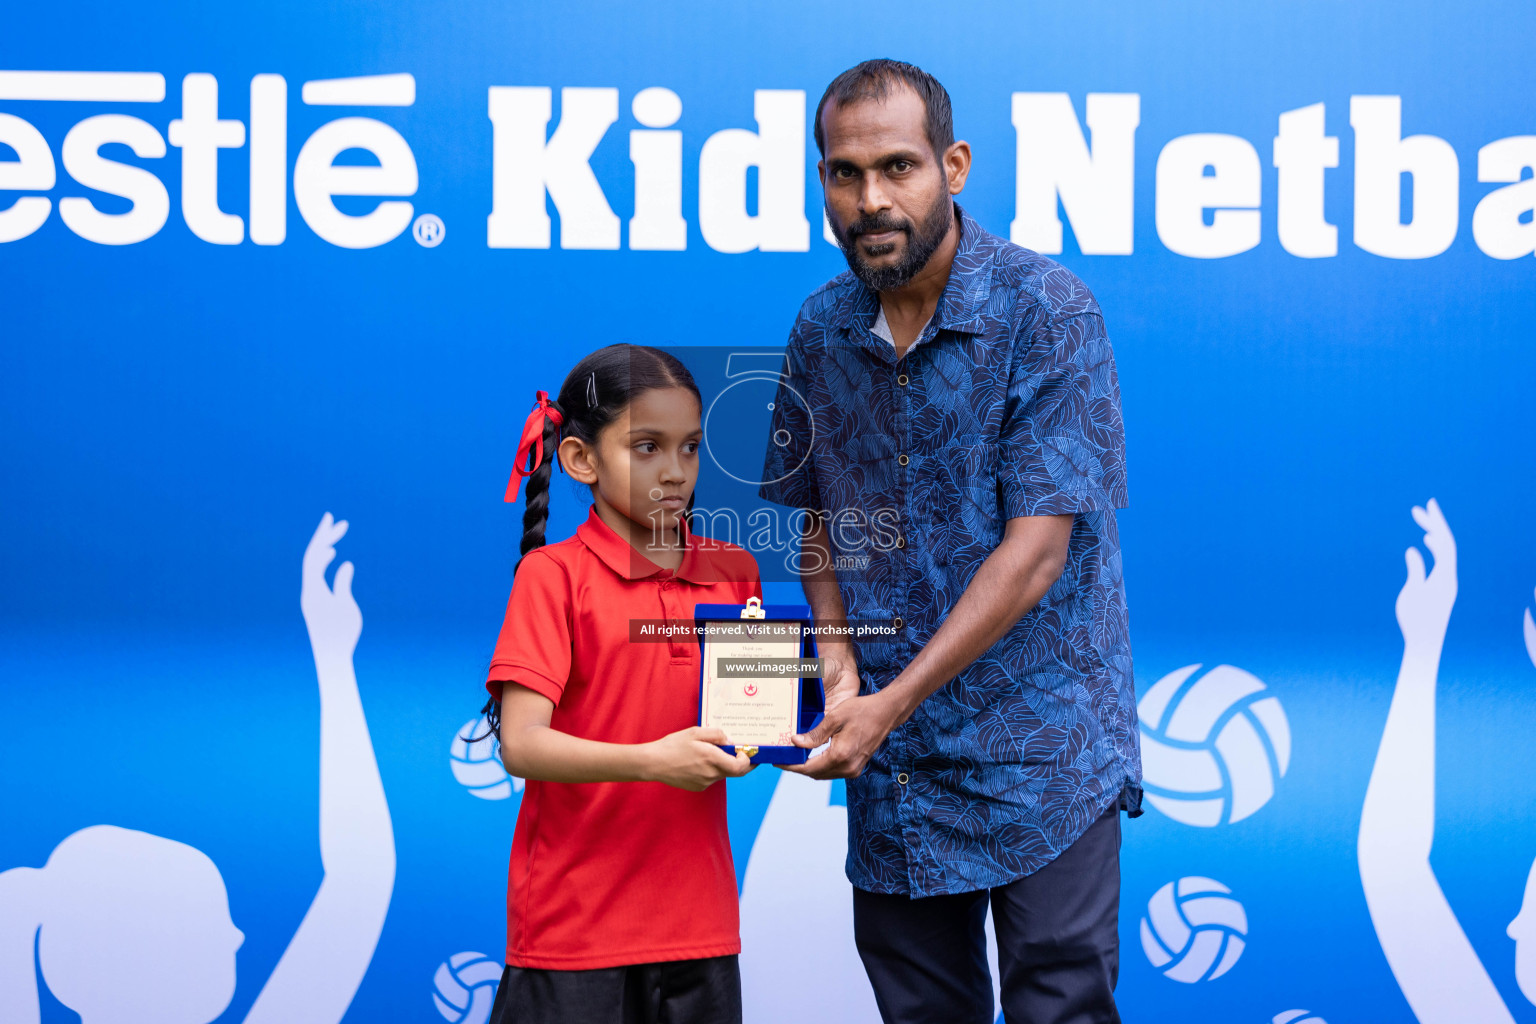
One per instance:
(688,759)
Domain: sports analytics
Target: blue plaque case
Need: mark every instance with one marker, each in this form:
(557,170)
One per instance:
(812,697)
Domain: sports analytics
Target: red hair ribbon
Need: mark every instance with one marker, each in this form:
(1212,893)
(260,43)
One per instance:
(533,442)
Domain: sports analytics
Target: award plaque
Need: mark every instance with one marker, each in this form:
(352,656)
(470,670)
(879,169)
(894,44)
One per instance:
(757,677)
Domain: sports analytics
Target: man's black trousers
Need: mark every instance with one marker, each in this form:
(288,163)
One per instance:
(1057,940)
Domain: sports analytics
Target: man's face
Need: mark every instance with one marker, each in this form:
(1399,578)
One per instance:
(888,197)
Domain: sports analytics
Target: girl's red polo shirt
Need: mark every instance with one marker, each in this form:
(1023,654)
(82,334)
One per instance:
(611,873)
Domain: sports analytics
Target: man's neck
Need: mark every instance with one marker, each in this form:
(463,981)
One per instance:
(910,307)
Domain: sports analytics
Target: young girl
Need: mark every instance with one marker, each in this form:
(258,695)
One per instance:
(621,901)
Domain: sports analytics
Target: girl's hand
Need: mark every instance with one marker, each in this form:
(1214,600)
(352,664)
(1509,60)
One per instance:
(689,759)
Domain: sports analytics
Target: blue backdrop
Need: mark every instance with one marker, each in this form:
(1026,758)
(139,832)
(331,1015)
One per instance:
(178,413)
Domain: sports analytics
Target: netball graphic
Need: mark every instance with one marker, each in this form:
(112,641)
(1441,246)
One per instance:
(476,762)
(465,987)
(1194,930)
(135,927)
(1213,746)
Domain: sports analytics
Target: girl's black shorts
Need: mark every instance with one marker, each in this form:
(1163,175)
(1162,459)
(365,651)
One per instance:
(705,991)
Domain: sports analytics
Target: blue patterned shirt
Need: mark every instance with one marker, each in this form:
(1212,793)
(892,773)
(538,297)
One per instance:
(1007,406)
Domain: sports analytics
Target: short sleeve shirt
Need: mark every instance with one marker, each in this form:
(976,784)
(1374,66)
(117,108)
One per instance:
(604,874)
(1008,405)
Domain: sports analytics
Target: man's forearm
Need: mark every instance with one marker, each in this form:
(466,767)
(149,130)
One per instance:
(1009,583)
(820,585)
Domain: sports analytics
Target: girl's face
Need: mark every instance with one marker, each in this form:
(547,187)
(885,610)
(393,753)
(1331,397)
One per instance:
(646,462)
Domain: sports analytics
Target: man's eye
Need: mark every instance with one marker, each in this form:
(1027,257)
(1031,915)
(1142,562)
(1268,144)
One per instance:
(843,173)
(901,167)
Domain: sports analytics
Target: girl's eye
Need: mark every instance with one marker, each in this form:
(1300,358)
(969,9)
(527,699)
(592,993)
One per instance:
(691,447)
(646,446)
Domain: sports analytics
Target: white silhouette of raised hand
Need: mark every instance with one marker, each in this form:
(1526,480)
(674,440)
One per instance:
(129,926)
(320,971)
(1424,604)
(332,616)
(1429,953)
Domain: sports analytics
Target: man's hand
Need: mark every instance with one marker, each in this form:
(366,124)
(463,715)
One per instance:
(855,728)
(839,676)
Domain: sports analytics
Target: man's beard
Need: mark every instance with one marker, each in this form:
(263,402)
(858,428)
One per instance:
(922,242)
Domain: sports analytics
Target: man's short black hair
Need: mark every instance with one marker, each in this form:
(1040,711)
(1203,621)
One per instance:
(874,79)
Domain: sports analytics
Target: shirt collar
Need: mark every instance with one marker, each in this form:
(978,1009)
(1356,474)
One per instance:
(965,293)
(618,555)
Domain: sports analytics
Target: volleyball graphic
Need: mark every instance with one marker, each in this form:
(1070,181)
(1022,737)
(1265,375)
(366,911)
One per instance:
(466,987)
(1298,1017)
(1193,930)
(477,764)
(1213,746)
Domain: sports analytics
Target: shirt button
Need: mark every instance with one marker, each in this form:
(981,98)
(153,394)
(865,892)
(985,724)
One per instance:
(902,459)
(902,778)
(896,622)
(901,379)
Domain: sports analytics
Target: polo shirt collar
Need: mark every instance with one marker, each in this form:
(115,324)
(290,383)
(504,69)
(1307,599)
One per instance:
(964,296)
(616,553)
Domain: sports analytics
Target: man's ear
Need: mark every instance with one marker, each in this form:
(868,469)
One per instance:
(577,458)
(957,165)
(821,173)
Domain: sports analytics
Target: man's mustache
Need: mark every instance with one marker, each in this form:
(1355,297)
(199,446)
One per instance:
(877,224)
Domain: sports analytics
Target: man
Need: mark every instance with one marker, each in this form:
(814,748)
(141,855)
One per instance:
(950,410)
